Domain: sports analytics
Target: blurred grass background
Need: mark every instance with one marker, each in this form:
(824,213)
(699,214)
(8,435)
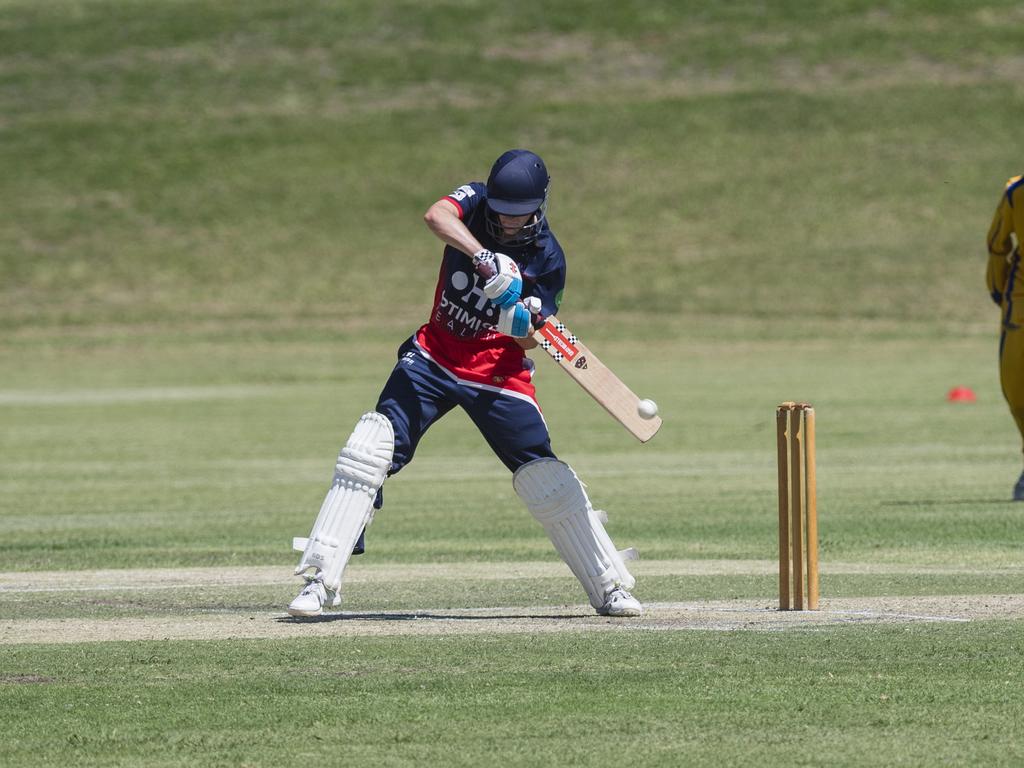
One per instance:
(211,245)
(740,169)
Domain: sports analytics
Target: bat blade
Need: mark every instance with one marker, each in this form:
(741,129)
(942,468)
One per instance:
(596,378)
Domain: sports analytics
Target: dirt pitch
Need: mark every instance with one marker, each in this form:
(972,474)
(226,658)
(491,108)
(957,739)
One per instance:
(732,615)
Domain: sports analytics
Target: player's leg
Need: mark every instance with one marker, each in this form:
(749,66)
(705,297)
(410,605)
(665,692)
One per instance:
(556,497)
(415,396)
(1011,376)
(347,509)
(515,430)
(382,443)
(511,424)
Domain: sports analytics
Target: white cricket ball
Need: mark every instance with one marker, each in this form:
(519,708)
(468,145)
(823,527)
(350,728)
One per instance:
(647,409)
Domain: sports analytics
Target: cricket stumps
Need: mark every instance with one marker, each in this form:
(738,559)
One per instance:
(798,511)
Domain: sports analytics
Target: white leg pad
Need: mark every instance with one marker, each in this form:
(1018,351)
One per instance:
(362,466)
(556,497)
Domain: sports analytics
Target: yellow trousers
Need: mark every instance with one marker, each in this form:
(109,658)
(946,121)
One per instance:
(1011,371)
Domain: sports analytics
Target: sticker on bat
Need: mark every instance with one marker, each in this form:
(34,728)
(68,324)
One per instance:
(555,335)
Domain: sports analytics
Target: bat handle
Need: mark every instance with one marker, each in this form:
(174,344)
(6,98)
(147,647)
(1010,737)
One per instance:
(533,306)
(486,268)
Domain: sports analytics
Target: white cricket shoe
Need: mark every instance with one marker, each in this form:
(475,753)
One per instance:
(618,602)
(1018,489)
(311,600)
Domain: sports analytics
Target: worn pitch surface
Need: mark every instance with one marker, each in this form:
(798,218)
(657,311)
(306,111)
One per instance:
(226,622)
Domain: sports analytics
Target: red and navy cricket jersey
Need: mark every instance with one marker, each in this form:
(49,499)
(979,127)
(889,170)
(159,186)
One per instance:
(460,335)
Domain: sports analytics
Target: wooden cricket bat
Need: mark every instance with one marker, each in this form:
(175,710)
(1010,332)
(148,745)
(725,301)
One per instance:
(595,377)
(588,371)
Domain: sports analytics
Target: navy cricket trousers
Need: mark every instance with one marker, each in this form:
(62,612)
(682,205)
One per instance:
(419,392)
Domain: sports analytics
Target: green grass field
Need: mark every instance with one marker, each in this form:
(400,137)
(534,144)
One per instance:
(211,246)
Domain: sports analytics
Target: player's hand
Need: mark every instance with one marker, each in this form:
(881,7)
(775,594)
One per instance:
(505,285)
(515,321)
(533,306)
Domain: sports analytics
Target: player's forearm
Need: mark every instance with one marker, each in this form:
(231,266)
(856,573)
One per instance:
(996,276)
(1000,232)
(999,247)
(442,220)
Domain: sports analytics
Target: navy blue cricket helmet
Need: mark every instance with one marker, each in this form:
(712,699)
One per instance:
(517,186)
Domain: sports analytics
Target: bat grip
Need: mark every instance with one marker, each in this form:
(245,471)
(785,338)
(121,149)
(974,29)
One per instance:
(486,269)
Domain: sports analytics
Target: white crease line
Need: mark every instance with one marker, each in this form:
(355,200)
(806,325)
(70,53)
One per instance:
(15,589)
(371,576)
(133,395)
(820,612)
(796,615)
(758,617)
(905,616)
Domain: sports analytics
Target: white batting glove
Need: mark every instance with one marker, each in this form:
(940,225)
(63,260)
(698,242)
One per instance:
(505,286)
(515,321)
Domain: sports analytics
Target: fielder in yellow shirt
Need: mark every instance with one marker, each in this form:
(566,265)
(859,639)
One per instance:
(1006,286)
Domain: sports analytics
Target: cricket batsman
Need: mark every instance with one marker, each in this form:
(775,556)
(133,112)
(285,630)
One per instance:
(1004,281)
(502,267)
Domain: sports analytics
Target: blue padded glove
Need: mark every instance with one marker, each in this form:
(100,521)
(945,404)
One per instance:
(515,321)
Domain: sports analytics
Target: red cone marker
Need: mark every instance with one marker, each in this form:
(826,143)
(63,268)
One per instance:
(961,395)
